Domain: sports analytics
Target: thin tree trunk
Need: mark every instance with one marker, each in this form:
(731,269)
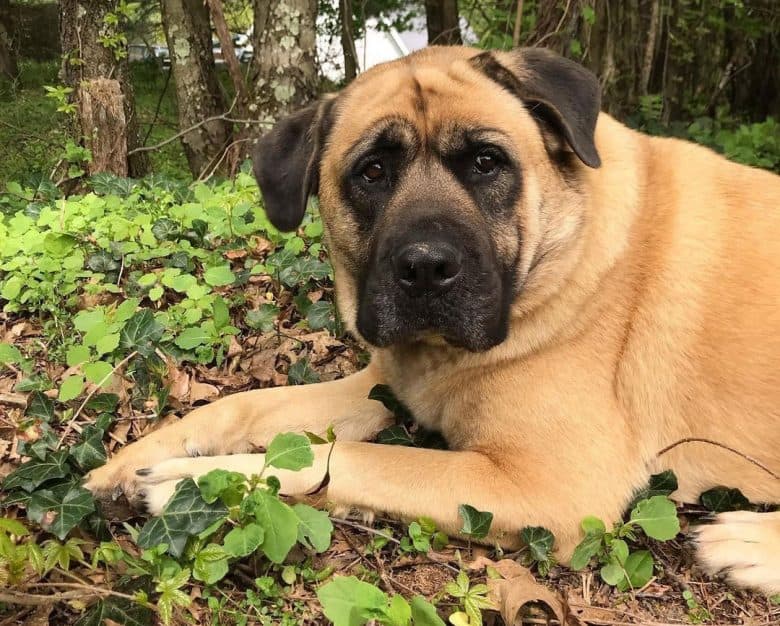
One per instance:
(285,59)
(198,93)
(443,21)
(348,40)
(518,24)
(86,66)
(228,51)
(8,65)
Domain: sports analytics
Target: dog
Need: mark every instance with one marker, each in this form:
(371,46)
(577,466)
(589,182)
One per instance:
(560,296)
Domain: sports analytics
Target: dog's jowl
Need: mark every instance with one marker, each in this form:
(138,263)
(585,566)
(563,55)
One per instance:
(561,296)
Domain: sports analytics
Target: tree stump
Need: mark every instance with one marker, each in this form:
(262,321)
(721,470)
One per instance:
(103,122)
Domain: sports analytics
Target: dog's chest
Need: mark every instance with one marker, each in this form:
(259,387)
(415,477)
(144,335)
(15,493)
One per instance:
(431,391)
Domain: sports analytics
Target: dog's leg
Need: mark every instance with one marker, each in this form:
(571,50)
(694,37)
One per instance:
(247,421)
(745,546)
(407,483)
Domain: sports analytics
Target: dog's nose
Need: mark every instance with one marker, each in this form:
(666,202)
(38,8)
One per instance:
(427,268)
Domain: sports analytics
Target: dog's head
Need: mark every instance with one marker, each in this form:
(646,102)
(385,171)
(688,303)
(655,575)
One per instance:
(445,179)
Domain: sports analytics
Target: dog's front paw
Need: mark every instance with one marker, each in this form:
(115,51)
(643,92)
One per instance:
(117,477)
(151,499)
(745,546)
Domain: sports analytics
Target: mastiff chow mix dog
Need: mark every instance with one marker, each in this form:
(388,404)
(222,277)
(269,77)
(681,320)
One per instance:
(560,296)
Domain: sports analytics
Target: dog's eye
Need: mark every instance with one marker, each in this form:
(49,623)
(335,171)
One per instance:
(373,172)
(485,163)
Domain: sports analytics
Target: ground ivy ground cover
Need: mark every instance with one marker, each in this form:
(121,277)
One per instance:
(129,300)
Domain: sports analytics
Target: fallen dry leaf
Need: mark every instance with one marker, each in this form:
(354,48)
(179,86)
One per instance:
(202,391)
(517,588)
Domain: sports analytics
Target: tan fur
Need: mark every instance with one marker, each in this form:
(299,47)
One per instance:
(650,312)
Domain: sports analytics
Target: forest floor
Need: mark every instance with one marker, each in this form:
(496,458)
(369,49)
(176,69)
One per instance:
(264,359)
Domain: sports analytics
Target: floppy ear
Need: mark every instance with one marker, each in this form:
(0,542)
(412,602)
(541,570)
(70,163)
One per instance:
(287,163)
(558,92)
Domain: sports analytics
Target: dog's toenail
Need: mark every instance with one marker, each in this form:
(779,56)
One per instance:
(143,472)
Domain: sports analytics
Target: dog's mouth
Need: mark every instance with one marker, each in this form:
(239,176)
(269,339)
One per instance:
(473,315)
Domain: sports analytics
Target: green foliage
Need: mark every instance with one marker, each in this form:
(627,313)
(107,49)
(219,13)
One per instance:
(476,524)
(539,543)
(656,516)
(423,536)
(347,601)
(472,599)
(721,499)
(697,614)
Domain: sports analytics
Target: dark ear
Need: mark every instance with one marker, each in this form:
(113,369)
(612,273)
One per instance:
(558,92)
(287,163)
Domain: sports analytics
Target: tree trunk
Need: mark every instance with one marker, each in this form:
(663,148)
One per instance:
(8,66)
(348,40)
(198,93)
(443,21)
(85,61)
(285,59)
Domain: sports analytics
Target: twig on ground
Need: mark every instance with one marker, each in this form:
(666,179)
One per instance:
(69,425)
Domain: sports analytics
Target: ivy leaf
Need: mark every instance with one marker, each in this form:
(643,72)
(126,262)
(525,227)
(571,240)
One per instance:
(539,541)
(722,499)
(289,451)
(165,229)
(279,522)
(40,406)
(639,570)
(185,514)
(301,373)
(314,528)
(394,436)
(102,262)
(34,473)
(424,613)
(262,318)
(59,512)
(657,516)
(347,601)
(244,541)
(320,315)
(211,564)
(103,402)
(141,332)
(476,523)
(385,395)
(90,453)
(662,484)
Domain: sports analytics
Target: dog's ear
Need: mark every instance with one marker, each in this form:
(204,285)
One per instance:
(557,91)
(287,162)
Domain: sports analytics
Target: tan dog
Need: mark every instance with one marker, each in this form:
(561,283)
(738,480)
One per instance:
(560,296)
